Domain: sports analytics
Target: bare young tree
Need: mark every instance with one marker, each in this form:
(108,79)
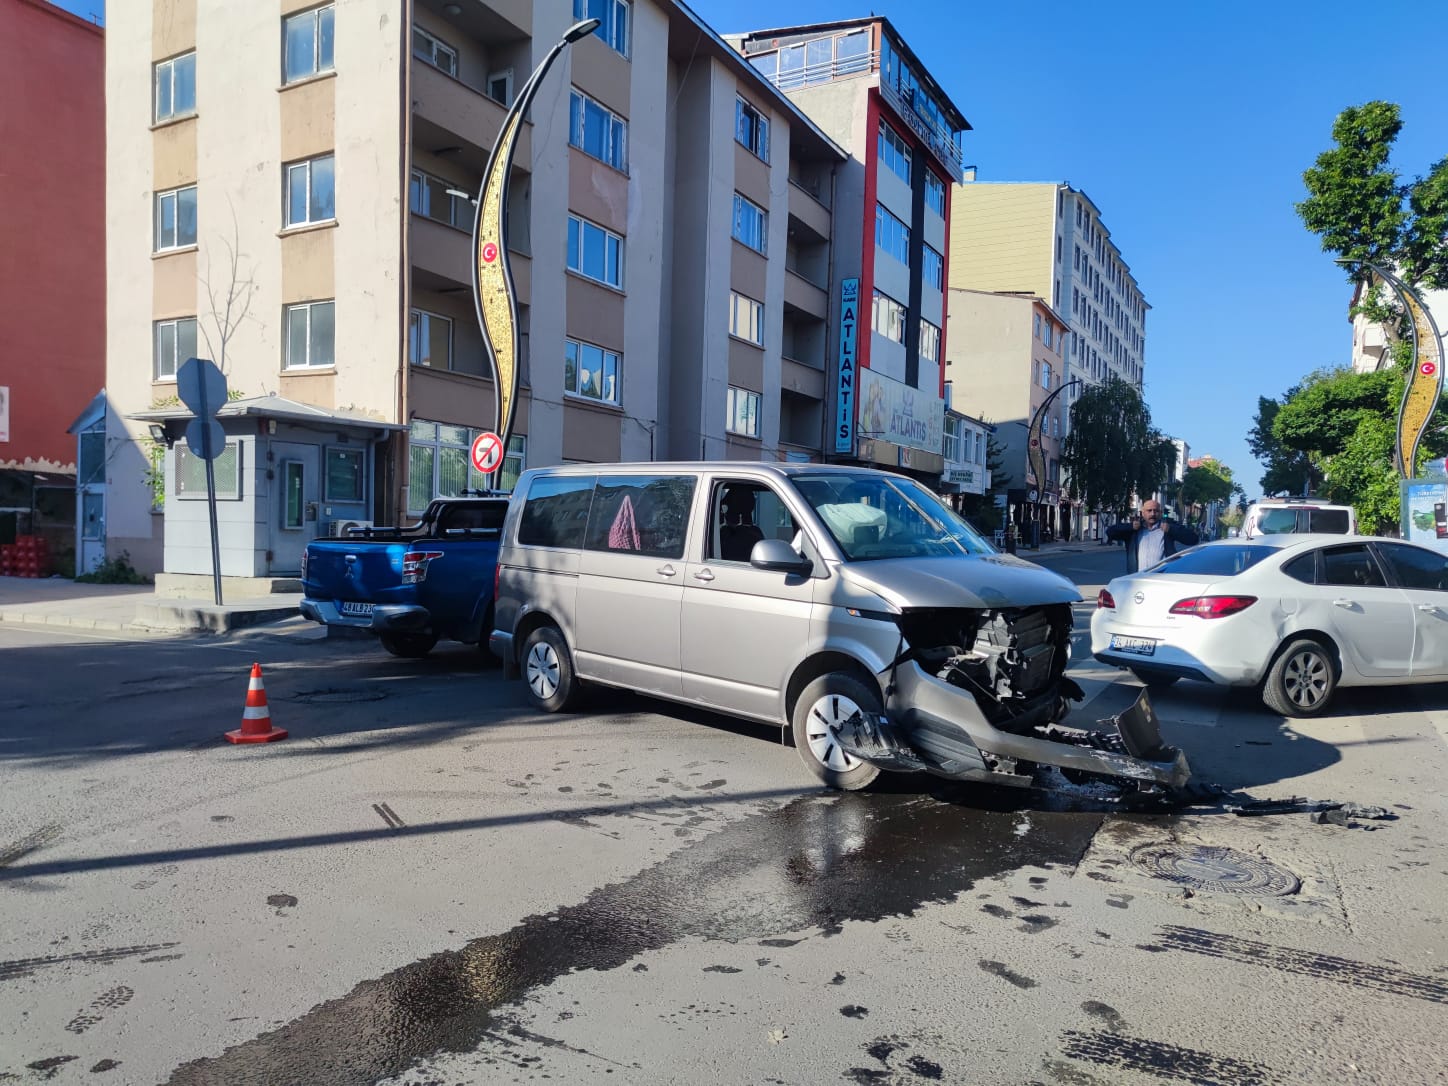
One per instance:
(229,291)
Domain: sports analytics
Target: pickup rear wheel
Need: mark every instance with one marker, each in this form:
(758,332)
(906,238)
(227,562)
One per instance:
(548,670)
(408,646)
(825,708)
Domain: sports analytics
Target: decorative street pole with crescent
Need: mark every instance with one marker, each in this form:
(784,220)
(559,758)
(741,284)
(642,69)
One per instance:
(1033,447)
(493,294)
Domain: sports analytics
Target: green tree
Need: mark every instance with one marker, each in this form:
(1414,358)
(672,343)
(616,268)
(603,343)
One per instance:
(1112,451)
(1289,471)
(1209,481)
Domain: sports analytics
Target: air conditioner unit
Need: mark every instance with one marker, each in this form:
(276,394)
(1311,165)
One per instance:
(339,529)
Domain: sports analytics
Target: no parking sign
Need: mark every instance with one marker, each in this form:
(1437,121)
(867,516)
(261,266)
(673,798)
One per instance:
(487,452)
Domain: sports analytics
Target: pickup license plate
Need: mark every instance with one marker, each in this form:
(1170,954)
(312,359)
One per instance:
(363,610)
(1141,646)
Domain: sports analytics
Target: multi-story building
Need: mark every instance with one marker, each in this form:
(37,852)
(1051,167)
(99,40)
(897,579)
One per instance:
(290,194)
(1049,240)
(866,89)
(1006,358)
(1370,338)
(966,472)
(52,286)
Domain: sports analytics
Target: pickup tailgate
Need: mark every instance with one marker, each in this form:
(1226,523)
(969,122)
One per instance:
(356,572)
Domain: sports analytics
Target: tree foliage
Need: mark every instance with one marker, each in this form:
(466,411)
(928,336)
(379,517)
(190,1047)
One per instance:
(1289,471)
(1112,451)
(1209,481)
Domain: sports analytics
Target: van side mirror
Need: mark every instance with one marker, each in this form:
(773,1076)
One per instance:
(779,556)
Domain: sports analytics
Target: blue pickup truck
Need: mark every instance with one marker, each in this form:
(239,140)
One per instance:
(415,585)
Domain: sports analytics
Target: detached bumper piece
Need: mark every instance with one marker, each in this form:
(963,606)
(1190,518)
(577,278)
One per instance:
(941,726)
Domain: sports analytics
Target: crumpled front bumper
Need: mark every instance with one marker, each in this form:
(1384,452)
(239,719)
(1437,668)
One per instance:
(941,727)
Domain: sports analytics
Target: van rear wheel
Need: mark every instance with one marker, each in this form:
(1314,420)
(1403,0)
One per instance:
(825,707)
(548,670)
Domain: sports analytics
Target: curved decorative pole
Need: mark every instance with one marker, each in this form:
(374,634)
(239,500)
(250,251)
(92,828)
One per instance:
(493,295)
(1033,444)
(1425,376)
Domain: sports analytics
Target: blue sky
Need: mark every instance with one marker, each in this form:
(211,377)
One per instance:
(1189,126)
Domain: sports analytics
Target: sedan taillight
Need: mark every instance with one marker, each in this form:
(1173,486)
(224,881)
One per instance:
(1212,606)
(1104,600)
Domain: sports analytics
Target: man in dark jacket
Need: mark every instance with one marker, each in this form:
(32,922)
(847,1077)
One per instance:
(1148,538)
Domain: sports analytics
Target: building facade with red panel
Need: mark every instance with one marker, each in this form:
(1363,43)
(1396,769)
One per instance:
(52,258)
(865,88)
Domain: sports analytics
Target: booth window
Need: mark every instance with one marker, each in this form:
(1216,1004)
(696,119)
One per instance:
(191,474)
(343,477)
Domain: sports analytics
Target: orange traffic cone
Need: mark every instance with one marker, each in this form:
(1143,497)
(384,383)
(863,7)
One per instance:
(256,725)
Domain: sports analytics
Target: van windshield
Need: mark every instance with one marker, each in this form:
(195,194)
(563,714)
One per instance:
(874,516)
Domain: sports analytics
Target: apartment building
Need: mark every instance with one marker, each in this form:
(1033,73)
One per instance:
(1007,355)
(1370,339)
(865,87)
(52,287)
(290,194)
(1049,240)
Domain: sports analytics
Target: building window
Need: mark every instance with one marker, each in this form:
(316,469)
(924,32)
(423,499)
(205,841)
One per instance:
(308,39)
(894,152)
(428,196)
(934,193)
(751,128)
(595,252)
(1047,337)
(175,342)
(500,87)
(979,451)
(746,318)
(743,412)
(175,85)
(434,51)
(590,371)
(430,340)
(1045,375)
(438,464)
(311,336)
(892,235)
(889,317)
(175,218)
(952,438)
(933,268)
(597,131)
(310,191)
(342,481)
(613,20)
(929,342)
(751,223)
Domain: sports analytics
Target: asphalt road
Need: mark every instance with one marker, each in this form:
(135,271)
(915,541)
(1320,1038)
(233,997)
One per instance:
(429,883)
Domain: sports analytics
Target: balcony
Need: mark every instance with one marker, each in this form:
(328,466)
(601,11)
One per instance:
(940,142)
(804,296)
(807,210)
(451,116)
(442,258)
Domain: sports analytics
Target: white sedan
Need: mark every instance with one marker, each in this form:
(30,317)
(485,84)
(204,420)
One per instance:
(1299,615)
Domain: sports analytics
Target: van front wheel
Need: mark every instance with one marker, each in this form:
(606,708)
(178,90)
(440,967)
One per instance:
(824,709)
(548,670)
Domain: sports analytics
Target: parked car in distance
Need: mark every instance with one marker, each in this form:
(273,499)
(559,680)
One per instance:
(1297,615)
(1298,516)
(846,604)
(415,585)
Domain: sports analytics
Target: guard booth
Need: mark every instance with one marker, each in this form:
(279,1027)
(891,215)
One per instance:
(289,472)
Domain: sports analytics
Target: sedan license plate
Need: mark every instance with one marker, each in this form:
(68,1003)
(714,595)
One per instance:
(360,609)
(1141,646)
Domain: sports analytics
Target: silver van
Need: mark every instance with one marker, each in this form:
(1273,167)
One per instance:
(849,605)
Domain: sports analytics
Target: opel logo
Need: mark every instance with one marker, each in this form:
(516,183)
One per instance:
(1140,597)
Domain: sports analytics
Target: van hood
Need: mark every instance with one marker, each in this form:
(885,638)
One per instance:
(989,581)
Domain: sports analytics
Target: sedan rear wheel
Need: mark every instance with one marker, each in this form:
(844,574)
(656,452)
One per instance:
(1302,679)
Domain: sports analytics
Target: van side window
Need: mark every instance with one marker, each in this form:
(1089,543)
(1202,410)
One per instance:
(1333,521)
(1277,521)
(740,515)
(556,511)
(641,514)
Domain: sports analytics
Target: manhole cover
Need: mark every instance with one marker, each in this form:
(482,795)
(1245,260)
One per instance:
(331,696)
(1205,867)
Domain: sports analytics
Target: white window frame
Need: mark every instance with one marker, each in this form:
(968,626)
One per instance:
(460,208)
(417,320)
(606,394)
(932,267)
(307,164)
(887,317)
(166,69)
(174,195)
(1046,375)
(584,226)
(288,363)
(746,318)
(314,15)
(929,341)
(751,128)
(613,18)
(436,47)
(506,75)
(742,411)
(892,236)
(158,372)
(514,460)
(742,205)
(615,128)
(895,152)
(953,428)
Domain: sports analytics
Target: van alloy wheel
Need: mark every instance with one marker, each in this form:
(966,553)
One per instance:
(542,670)
(548,670)
(824,710)
(827,717)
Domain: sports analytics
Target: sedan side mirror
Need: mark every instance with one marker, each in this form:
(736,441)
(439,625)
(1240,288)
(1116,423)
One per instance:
(779,556)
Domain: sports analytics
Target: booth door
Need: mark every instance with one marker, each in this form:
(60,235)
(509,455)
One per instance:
(293,514)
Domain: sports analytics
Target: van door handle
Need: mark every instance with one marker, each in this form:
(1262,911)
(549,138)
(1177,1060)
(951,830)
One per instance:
(1348,604)
(703,575)
(1431,608)
(667,571)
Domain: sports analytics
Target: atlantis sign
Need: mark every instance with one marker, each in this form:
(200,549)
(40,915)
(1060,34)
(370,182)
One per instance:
(896,412)
(846,385)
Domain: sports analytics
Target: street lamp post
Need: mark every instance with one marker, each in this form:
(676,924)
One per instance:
(1033,449)
(493,296)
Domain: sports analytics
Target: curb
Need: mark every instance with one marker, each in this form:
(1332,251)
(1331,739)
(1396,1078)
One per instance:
(205,618)
(22,618)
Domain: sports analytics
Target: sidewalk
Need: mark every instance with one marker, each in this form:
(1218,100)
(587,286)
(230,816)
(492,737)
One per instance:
(56,601)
